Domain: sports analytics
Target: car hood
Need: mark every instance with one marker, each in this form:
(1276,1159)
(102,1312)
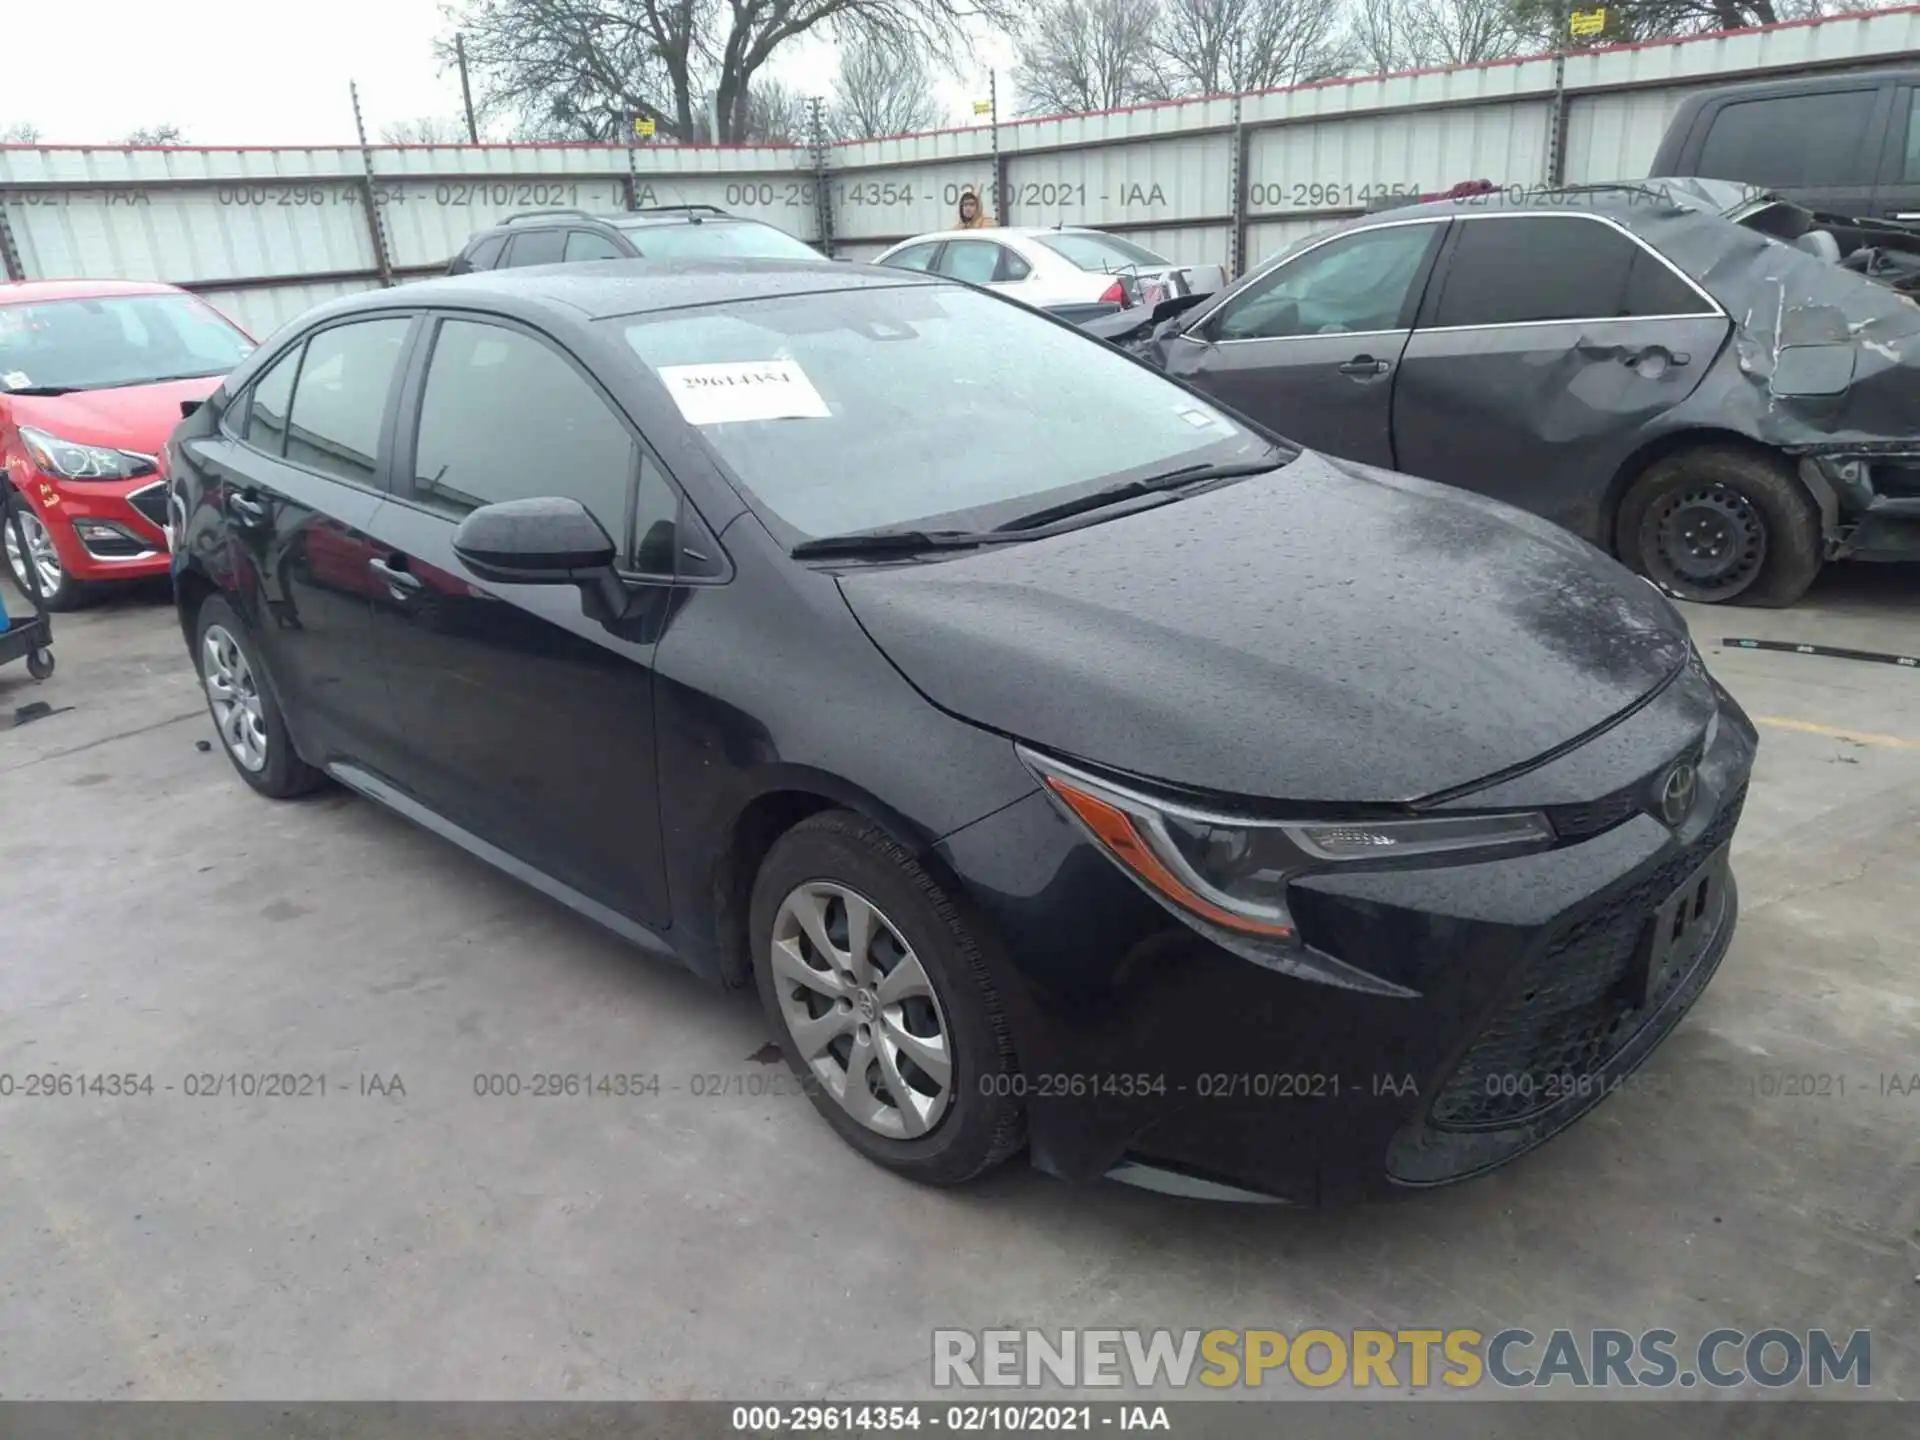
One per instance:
(1328,632)
(127,417)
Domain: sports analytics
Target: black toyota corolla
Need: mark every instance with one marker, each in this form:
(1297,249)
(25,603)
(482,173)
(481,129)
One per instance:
(1071,765)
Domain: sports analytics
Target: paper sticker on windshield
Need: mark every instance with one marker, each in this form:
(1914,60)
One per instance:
(1198,418)
(762,390)
(16,380)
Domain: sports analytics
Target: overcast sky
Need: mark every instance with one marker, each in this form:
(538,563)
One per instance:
(259,72)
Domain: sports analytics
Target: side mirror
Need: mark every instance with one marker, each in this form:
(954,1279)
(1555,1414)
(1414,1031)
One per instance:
(551,540)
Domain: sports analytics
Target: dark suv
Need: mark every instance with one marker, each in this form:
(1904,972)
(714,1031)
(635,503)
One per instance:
(552,237)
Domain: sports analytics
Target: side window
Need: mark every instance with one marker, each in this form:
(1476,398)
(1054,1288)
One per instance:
(536,247)
(1653,289)
(914,257)
(504,417)
(1510,270)
(1357,283)
(656,521)
(486,254)
(1910,168)
(334,426)
(267,410)
(1012,267)
(1792,140)
(585,245)
(974,261)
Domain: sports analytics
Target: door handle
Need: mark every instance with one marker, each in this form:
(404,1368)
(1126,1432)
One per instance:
(400,580)
(1365,365)
(1668,358)
(246,508)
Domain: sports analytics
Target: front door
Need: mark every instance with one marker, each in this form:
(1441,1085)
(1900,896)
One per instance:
(299,478)
(1312,348)
(1547,345)
(527,723)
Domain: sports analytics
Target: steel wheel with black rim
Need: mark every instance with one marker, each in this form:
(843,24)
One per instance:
(1720,524)
(245,713)
(58,590)
(883,1001)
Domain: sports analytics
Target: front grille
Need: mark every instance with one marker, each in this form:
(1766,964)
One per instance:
(1568,1015)
(151,503)
(1578,822)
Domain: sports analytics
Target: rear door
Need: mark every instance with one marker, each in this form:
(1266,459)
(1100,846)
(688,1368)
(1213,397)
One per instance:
(1312,348)
(1546,345)
(526,723)
(1819,147)
(301,470)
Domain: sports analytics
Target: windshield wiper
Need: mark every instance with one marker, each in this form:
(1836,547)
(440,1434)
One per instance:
(1178,479)
(897,542)
(42,390)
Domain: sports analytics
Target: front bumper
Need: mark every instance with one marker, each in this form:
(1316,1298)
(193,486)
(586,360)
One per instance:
(1142,1044)
(112,531)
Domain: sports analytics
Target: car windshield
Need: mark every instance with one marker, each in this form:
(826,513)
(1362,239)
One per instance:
(718,239)
(856,410)
(1090,251)
(97,344)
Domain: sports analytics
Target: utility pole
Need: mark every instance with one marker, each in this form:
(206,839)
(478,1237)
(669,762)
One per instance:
(1002,200)
(376,222)
(466,90)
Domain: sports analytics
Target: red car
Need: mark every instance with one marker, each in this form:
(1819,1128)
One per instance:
(92,373)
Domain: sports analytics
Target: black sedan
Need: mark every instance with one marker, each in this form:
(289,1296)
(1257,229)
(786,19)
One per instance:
(1068,764)
(1684,372)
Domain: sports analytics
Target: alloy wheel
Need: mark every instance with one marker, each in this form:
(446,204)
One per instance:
(1709,542)
(39,550)
(858,1004)
(235,697)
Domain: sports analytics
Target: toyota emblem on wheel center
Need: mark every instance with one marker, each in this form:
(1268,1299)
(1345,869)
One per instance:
(1677,792)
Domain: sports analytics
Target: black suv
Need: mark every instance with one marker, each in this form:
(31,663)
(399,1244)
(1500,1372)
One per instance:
(552,237)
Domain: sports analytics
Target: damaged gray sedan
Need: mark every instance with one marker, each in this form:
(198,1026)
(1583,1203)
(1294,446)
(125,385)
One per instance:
(1718,387)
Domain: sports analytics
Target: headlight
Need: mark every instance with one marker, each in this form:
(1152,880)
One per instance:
(1233,871)
(71,460)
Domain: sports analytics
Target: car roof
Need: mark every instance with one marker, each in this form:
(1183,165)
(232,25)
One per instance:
(1002,232)
(1624,201)
(598,289)
(23,292)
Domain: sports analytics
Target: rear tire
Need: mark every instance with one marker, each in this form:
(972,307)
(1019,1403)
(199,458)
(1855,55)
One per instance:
(1719,525)
(246,717)
(864,1041)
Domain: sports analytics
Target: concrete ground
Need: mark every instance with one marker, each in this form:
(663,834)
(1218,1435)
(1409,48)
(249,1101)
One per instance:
(156,917)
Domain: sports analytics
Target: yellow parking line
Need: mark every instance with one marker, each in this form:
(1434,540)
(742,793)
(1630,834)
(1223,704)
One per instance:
(1859,737)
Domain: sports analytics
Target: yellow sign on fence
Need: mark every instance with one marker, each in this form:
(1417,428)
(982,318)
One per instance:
(643,127)
(983,107)
(1587,22)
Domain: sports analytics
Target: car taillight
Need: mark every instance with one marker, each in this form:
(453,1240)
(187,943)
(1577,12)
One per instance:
(1114,294)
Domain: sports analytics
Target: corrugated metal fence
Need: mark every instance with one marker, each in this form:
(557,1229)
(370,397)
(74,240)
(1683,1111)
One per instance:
(266,233)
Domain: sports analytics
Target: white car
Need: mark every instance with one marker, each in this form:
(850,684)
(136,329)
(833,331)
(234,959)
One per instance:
(1075,273)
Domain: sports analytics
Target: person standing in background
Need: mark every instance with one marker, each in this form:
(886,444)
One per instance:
(971,215)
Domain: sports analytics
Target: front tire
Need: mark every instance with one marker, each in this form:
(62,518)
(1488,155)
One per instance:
(883,1005)
(58,589)
(246,717)
(1718,525)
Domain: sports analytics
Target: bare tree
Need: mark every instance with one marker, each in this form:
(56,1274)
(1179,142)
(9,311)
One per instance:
(20,132)
(1080,55)
(882,88)
(1215,47)
(155,135)
(581,68)
(1393,35)
(425,130)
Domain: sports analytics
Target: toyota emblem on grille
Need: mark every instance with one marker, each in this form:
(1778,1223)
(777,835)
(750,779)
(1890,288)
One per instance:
(1676,793)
